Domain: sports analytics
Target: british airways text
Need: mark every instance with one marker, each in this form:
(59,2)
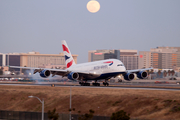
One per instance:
(101,67)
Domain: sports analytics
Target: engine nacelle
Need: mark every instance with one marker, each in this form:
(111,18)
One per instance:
(45,73)
(129,76)
(73,76)
(142,74)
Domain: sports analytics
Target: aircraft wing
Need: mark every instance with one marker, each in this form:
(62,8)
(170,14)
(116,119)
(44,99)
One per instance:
(61,72)
(53,71)
(138,70)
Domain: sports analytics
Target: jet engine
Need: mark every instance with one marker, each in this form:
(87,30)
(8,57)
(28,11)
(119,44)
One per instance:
(45,73)
(73,76)
(129,76)
(142,74)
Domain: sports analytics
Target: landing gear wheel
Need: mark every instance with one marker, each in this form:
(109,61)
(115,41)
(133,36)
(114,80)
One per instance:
(84,84)
(96,84)
(87,84)
(105,84)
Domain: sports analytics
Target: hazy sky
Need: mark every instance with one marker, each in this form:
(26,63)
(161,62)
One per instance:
(40,25)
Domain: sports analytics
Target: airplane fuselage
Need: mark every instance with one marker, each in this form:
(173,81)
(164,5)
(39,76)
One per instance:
(102,69)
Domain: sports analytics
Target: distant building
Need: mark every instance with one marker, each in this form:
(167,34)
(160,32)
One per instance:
(33,59)
(10,59)
(2,59)
(128,57)
(175,55)
(160,58)
(145,59)
(96,55)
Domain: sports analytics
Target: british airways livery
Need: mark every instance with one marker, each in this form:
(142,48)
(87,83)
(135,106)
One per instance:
(98,70)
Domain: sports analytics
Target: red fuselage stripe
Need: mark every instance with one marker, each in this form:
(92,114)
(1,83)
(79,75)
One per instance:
(108,62)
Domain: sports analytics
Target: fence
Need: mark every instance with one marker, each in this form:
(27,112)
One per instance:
(21,115)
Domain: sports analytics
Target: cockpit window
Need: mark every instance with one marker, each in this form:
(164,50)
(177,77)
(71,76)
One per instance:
(120,65)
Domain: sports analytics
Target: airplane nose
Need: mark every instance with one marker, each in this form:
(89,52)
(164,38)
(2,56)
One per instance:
(124,69)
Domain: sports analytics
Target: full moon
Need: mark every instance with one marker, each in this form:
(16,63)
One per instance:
(93,6)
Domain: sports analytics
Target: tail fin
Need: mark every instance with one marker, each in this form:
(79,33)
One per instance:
(67,54)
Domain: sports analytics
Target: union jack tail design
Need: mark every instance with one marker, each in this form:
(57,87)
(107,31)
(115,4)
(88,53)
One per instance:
(67,54)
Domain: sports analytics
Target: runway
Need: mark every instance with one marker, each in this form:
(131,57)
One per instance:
(169,87)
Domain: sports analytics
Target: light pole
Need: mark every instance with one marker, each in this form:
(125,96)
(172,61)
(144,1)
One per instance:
(42,105)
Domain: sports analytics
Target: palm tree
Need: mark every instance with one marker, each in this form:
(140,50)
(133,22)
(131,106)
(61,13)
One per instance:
(148,72)
(172,72)
(169,72)
(159,72)
(152,71)
(165,73)
(1,71)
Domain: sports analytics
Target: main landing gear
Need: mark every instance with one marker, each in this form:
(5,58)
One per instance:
(88,84)
(105,83)
(84,84)
(96,84)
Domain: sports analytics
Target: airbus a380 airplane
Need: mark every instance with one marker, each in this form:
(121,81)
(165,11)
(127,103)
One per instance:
(98,70)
